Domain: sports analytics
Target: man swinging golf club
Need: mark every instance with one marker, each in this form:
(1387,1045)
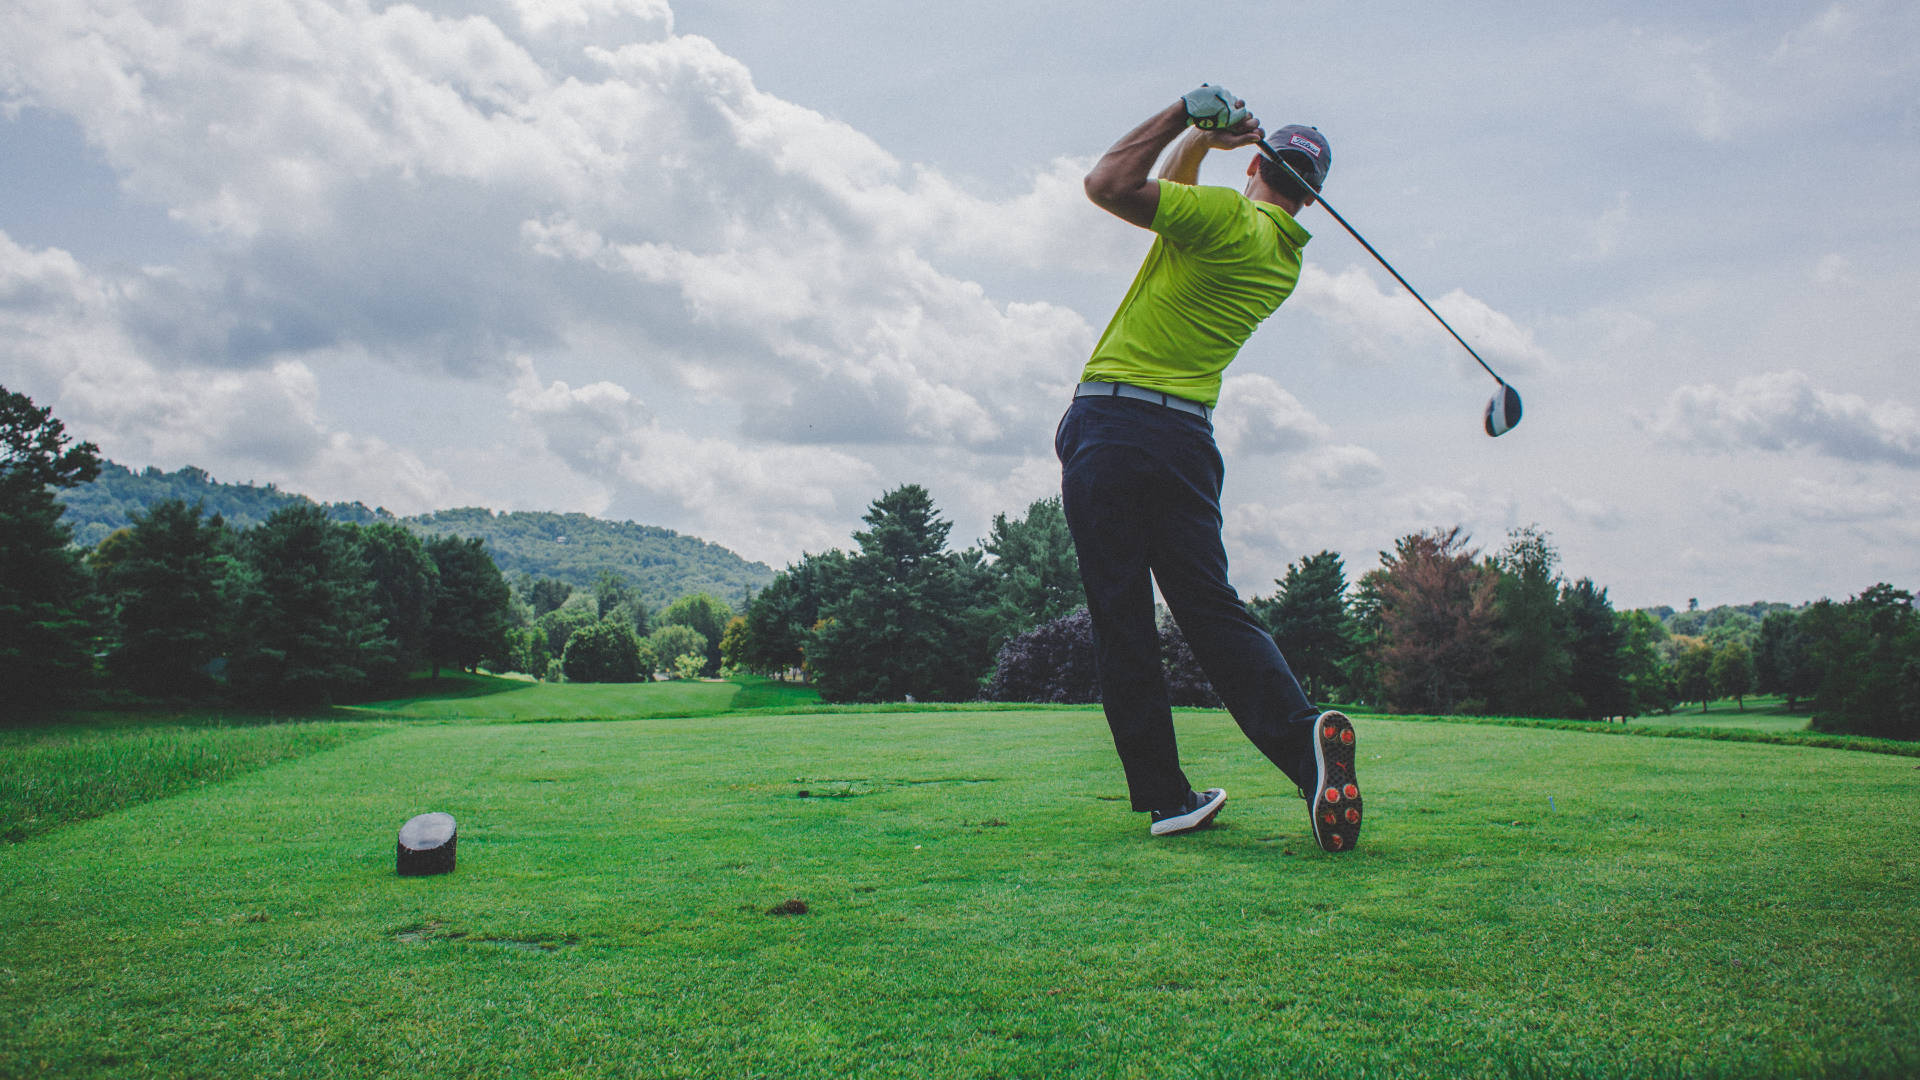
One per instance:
(1141,477)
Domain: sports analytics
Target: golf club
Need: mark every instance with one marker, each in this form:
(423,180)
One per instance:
(1503,409)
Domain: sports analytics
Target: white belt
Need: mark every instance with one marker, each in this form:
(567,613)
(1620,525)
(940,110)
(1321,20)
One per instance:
(1140,393)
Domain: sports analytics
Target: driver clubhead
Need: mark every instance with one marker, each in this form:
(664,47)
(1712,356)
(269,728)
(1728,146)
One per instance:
(1503,411)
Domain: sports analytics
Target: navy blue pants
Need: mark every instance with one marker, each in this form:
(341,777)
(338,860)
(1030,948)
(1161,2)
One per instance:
(1141,487)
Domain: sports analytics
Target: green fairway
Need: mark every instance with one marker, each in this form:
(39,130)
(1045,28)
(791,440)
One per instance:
(979,903)
(487,698)
(1760,714)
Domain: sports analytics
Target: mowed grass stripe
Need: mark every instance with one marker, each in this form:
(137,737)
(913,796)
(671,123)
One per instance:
(1525,903)
(56,775)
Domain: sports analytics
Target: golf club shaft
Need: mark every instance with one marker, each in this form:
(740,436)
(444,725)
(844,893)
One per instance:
(1276,159)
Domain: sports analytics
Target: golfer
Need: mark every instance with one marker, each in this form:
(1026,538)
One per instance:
(1141,477)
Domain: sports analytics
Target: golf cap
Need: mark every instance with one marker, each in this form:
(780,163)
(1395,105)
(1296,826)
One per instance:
(1305,149)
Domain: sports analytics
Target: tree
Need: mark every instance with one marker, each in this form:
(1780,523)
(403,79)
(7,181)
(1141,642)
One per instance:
(603,652)
(674,642)
(1649,682)
(733,642)
(1036,574)
(1187,683)
(1533,666)
(1693,669)
(1310,623)
(615,597)
(1436,628)
(561,623)
(162,579)
(1051,663)
(705,613)
(547,594)
(781,618)
(1781,661)
(405,582)
(1868,654)
(915,620)
(1732,672)
(1596,651)
(472,605)
(46,597)
(308,627)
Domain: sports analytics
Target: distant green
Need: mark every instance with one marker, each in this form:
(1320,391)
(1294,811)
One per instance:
(979,903)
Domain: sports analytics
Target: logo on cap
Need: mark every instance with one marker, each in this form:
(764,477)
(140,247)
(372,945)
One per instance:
(1304,143)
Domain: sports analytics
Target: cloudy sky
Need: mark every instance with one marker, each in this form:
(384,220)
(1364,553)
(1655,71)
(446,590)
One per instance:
(736,267)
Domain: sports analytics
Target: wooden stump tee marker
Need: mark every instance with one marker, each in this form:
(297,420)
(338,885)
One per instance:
(426,845)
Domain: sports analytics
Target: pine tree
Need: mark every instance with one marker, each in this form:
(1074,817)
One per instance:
(405,580)
(914,621)
(308,627)
(163,579)
(1309,620)
(1036,574)
(46,597)
(472,605)
(1533,667)
(1596,650)
(781,618)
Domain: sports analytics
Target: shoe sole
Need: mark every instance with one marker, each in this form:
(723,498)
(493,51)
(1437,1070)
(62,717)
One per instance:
(1188,822)
(1336,806)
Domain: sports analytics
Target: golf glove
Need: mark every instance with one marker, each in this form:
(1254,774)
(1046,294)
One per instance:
(1211,108)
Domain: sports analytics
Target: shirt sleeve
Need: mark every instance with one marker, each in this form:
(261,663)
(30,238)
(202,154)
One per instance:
(1198,218)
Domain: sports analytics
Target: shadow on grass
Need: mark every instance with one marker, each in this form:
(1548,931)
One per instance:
(450,685)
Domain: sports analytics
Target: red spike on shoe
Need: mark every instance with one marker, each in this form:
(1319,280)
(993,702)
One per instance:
(1327,731)
(1333,794)
(1352,792)
(1353,816)
(1337,840)
(1347,736)
(1329,818)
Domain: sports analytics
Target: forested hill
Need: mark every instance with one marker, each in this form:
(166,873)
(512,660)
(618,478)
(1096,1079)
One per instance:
(662,564)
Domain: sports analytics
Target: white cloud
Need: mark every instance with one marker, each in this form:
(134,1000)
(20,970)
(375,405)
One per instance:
(1258,416)
(62,339)
(539,16)
(766,502)
(1784,410)
(1382,325)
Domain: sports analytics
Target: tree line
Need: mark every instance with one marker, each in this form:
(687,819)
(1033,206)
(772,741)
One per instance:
(298,609)
(1438,627)
(302,608)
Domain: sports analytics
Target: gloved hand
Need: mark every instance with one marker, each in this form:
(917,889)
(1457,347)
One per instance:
(1212,108)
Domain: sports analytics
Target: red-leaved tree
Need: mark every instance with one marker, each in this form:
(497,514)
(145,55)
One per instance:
(1437,622)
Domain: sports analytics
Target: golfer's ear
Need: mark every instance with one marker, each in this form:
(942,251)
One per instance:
(1253,164)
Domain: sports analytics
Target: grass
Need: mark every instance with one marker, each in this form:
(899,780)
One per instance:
(517,700)
(71,772)
(1527,902)
(1761,713)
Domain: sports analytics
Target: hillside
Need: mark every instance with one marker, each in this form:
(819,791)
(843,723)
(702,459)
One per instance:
(664,565)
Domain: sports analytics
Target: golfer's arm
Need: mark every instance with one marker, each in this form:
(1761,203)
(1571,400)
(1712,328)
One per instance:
(1182,164)
(1119,182)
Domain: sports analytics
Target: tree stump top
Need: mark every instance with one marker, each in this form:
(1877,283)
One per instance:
(427,831)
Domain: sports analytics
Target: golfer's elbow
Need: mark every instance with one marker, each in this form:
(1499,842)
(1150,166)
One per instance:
(1113,190)
(1101,189)
(1125,197)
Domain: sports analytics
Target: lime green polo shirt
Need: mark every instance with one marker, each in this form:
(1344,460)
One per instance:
(1220,264)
